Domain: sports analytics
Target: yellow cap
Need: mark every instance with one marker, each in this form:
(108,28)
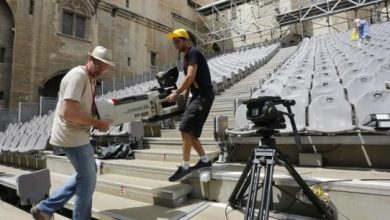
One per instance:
(178,33)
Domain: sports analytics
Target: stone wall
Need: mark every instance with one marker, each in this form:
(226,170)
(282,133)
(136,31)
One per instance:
(41,51)
(6,48)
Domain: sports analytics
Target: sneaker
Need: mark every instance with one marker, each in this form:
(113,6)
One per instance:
(201,165)
(179,174)
(38,215)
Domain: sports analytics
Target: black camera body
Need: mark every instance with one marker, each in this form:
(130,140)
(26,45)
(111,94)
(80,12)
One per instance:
(167,81)
(263,113)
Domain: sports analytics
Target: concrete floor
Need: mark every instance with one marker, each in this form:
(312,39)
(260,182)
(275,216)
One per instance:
(107,206)
(9,212)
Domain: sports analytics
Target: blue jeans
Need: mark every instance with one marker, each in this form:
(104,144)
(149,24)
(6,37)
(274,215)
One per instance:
(82,184)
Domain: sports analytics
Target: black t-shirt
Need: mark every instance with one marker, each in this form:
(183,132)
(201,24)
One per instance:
(202,78)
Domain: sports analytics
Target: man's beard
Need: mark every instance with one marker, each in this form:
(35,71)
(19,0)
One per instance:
(95,74)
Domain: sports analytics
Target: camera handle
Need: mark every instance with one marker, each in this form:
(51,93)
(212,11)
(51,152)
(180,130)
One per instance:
(291,115)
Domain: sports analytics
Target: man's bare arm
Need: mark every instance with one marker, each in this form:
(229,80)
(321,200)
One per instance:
(188,79)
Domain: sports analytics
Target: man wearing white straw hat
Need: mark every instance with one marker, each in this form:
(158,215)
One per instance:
(74,116)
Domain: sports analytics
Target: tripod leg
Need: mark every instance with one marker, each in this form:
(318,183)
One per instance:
(252,193)
(239,190)
(266,198)
(305,188)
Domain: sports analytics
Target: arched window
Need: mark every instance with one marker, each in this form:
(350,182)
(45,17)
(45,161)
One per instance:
(75,19)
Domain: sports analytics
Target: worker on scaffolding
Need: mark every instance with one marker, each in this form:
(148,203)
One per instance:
(362,29)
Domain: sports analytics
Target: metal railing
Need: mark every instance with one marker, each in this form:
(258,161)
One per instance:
(7,116)
(47,104)
(121,82)
(27,110)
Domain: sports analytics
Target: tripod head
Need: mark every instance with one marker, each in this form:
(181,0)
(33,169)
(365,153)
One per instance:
(263,113)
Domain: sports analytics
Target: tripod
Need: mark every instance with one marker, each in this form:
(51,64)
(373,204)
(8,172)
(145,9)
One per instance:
(266,154)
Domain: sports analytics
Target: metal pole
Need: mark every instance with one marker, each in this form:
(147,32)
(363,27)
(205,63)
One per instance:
(387,9)
(40,105)
(327,4)
(20,112)
(300,19)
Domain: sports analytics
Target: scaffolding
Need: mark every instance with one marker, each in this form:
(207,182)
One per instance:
(235,22)
(322,8)
(230,21)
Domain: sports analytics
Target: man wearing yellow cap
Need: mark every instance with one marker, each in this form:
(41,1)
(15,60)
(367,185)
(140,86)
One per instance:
(197,77)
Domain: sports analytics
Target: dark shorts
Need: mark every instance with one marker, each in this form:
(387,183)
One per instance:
(195,114)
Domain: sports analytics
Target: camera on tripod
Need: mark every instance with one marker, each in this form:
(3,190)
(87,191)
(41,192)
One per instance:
(263,113)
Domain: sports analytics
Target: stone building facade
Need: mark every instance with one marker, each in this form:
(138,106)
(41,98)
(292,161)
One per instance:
(40,40)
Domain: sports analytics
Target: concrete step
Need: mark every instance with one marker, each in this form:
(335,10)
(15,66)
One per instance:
(221,211)
(222,111)
(170,155)
(245,88)
(233,94)
(9,211)
(151,191)
(215,112)
(149,169)
(229,98)
(174,133)
(369,189)
(354,193)
(108,206)
(156,192)
(174,142)
(223,105)
(170,141)
(210,121)
(229,113)
(209,124)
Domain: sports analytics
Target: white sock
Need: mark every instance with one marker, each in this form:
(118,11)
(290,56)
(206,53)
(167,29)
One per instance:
(204,158)
(185,164)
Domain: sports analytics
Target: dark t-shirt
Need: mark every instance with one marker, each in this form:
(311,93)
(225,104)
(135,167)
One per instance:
(202,78)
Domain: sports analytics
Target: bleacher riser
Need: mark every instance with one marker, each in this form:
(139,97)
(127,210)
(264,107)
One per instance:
(208,143)
(34,161)
(362,194)
(170,157)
